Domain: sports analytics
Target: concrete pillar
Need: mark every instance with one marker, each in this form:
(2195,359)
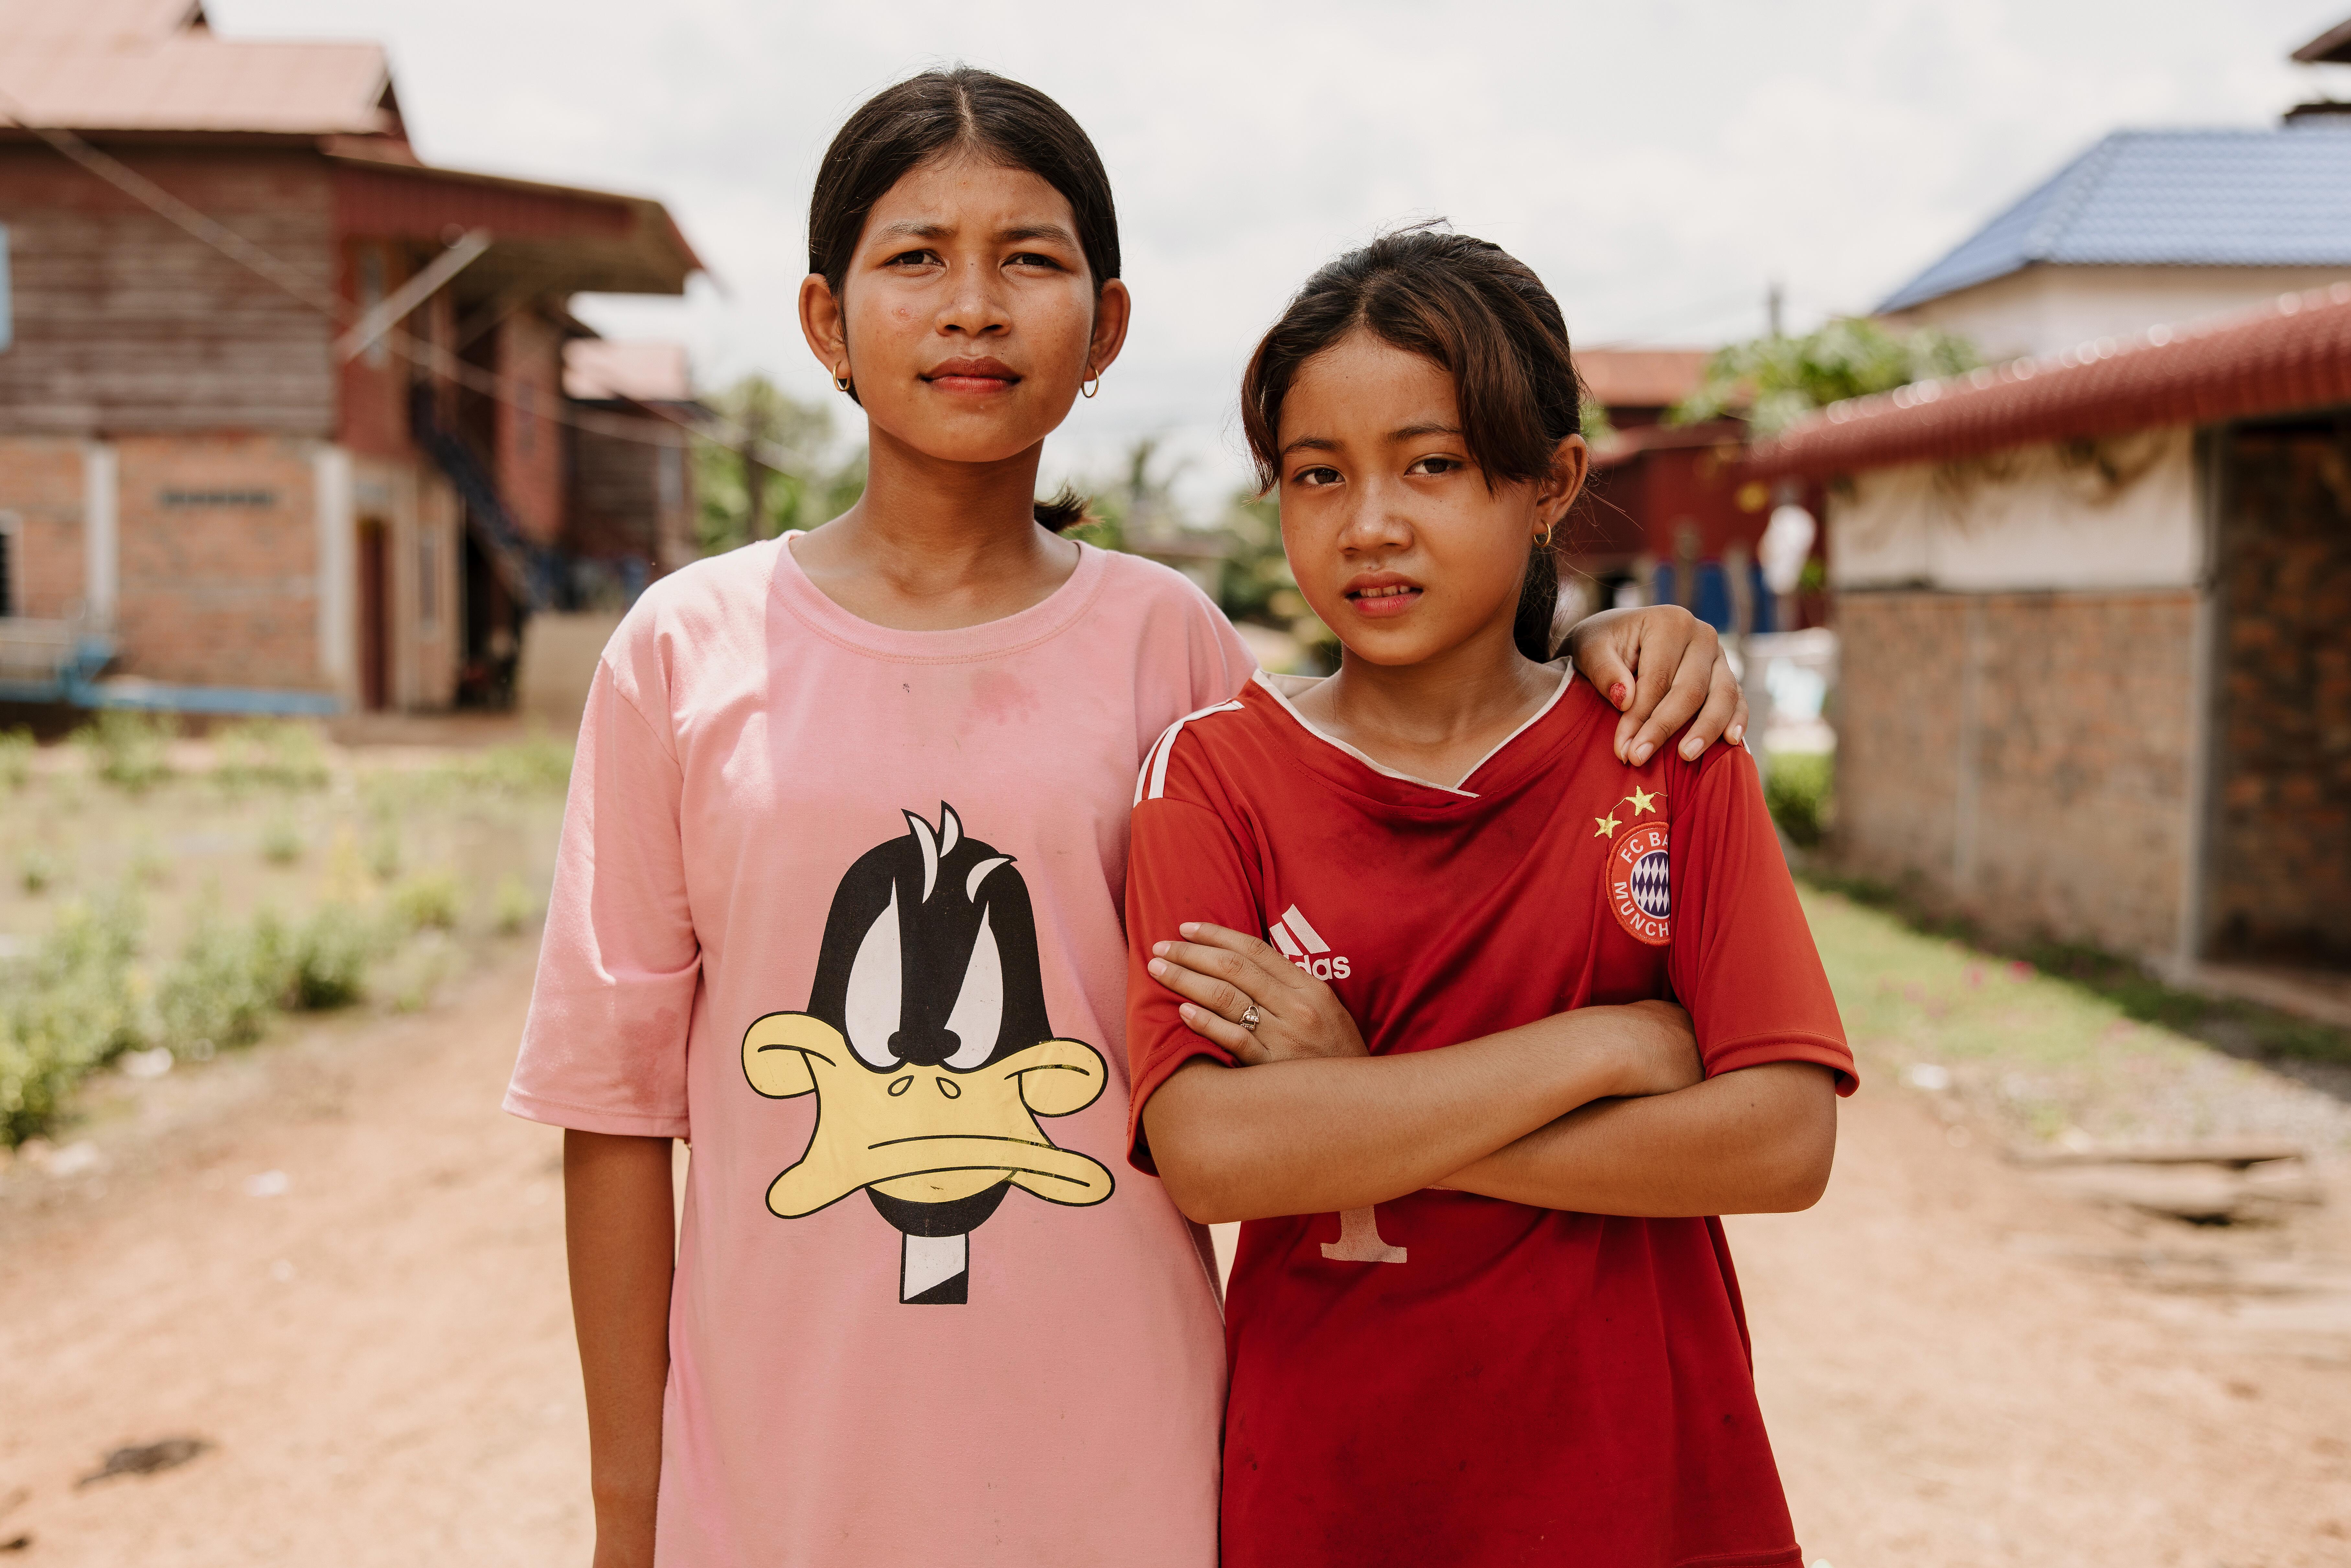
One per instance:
(338,588)
(101,535)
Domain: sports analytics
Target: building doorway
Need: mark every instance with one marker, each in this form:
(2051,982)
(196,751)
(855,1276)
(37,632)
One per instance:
(375,616)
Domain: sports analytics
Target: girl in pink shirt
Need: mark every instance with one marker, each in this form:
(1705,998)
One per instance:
(839,900)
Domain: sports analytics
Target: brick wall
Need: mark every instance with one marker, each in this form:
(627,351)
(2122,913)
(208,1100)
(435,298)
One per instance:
(2021,758)
(41,482)
(530,433)
(2282,821)
(219,587)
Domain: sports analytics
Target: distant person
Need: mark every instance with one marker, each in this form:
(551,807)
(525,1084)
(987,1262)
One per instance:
(1480,1312)
(839,899)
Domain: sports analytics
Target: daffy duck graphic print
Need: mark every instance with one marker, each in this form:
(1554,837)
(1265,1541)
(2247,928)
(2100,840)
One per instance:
(927,1045)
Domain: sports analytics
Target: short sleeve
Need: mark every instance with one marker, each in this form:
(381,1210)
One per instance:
(1742,958)
(1184,864)
(603,1049)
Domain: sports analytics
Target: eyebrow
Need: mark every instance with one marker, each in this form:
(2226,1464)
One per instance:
(1403,432)
(913,228)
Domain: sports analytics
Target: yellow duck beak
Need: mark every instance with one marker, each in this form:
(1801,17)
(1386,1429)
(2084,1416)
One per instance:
(924,1135)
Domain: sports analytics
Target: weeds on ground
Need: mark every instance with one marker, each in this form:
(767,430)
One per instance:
(16,749)
(281,839)
(512,905)
(126,750)
(429,901)
(75,1007)
(37,869)
(280,754)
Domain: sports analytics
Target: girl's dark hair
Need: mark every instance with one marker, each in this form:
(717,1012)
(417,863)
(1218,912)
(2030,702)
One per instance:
(961,111)
(1478,313)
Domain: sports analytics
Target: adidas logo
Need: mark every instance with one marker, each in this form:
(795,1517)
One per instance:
(1303,945)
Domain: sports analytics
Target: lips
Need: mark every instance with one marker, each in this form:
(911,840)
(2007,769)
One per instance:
(1382,595)
(973,376)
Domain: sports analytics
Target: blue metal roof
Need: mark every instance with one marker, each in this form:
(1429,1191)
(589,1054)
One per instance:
(2170,198)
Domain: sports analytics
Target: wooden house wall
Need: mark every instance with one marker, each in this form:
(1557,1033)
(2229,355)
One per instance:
(126,323)
(530,436)
(631,498)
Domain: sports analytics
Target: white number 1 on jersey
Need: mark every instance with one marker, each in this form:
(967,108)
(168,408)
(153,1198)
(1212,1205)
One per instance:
(1359,1241)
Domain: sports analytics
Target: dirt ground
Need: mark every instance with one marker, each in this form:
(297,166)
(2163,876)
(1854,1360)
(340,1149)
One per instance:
(338,1263)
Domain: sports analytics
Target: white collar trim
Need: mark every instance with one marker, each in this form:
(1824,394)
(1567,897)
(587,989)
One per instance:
(1282,688)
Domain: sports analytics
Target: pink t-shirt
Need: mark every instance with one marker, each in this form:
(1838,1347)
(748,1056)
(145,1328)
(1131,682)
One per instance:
(842,903)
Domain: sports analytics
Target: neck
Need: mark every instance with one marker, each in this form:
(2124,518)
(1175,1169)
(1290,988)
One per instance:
(1437,718)
(934,545)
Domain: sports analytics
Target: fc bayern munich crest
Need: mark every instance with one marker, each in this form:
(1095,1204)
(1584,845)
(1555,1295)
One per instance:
(1640,868)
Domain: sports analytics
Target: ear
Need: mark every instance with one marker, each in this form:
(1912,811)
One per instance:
(1113,308)
(1571,464)
(822,323)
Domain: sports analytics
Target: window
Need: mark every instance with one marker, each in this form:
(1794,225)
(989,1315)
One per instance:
(11,565)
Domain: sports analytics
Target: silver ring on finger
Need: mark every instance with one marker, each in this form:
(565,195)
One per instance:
(1249,1019)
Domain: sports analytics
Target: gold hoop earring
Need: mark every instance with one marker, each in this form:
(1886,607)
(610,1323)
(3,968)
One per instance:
(841,383)
(1542,539)
(1095,384)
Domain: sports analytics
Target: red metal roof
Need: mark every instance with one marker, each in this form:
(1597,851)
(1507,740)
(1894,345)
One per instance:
(2295,353)
(1642,377)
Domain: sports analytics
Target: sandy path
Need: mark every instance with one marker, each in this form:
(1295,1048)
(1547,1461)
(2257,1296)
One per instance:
(382,1353)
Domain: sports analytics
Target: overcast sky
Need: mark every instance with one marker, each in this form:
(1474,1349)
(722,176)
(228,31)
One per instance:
(1658,162)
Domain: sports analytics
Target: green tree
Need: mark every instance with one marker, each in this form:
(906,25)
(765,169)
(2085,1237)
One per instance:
(1777,380)
(765,468)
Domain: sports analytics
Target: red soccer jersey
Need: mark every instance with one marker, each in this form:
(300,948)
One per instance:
(1450,1378)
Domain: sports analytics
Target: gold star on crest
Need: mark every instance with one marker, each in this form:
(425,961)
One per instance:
(1642,802)
(1608,826)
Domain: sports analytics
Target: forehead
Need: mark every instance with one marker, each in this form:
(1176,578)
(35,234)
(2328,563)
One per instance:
(967,195)
(1362,386)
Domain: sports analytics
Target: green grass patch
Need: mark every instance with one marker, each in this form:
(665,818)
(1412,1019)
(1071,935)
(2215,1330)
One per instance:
(126,750)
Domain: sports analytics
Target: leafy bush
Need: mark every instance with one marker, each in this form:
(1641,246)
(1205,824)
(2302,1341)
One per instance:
(227,983)
(126,750)
(36,869)
(1798,788)
(331,953)
(539,766)
(429,901)
(281,753)
(281,839)
(74,1008)
(15,758)
(512,907)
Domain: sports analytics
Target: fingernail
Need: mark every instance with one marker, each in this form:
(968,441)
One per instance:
(1692,748)
(1617,695)
(1641,753)
(1161,947)
(1158,970)
(1185,1011)
(1738,733)
(1188,927)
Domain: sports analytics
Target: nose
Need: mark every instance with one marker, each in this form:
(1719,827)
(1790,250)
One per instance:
(973,304)
(1377,519)
(924,1047)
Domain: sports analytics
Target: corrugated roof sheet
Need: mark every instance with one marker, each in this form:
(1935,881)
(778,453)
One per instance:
(1642,377)
(95,22)
(2171,198)
(2293,355)
(193,82)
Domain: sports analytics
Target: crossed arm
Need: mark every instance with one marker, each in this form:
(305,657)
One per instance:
(1603,1110)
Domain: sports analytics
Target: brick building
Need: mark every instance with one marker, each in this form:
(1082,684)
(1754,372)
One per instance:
(284,418)
(1671,517)
(2095,610)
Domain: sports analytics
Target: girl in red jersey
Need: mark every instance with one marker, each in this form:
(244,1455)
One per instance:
(1480,1312)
